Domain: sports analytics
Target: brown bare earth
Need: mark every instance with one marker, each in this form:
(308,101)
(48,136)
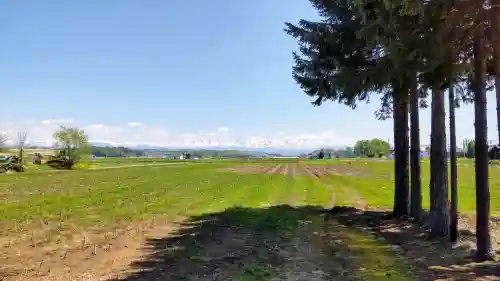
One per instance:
(250,169)
(93,257)
(276,169)
(300,170)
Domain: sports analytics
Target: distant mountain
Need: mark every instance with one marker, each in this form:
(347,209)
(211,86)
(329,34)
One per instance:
(251,151)
(38,144)
(281,151)
(208,150)
(254,151)
(103,144)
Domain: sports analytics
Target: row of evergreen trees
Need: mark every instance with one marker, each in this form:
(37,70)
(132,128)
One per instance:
(404,50)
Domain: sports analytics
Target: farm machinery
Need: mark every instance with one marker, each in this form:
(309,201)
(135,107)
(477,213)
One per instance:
(37,158)
(64,160)
(11,164)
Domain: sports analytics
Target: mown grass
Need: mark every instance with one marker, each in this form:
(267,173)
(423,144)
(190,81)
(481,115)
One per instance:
(83,199)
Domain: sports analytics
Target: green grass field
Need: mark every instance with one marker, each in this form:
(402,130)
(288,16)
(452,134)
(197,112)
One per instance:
(252,210)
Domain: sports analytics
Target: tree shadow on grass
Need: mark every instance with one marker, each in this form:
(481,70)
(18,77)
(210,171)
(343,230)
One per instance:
(433,259)
(302,243)
(275,243)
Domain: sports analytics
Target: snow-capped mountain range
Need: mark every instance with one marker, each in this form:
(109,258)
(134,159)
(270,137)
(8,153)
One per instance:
(277,150)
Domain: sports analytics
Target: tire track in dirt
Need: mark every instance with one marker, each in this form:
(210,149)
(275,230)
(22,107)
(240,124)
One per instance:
(310,171)
(285,169)
(334,171)
(350,192)
(289,182)
(320,173)
(275,169)
(293,170)
(276,181)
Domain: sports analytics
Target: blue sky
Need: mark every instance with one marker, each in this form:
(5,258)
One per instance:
(172,73)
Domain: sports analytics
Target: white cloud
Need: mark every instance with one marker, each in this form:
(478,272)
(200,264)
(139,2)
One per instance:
(127,134)
(134,124)
(97,126)
(301,140)
(56,121)
(189,135)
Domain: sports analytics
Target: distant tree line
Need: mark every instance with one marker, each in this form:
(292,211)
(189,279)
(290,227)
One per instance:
(174,154)
(362,148)
(116,152)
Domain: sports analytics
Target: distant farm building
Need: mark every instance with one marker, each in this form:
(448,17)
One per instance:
(423,154)
(158,155)
(284,157)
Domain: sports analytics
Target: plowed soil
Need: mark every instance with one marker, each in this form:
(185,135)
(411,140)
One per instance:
(299,170)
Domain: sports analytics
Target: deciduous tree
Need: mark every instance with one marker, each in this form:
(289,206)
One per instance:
(73,141)
(21,142)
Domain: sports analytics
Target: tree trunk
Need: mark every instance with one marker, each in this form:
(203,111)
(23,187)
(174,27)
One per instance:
(401,152)
(453,168)
(440,217)
(416,181)
(484,250)
(495,35)
(432,162)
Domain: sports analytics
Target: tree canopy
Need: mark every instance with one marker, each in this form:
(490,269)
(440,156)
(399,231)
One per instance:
(372,148)
(73,141)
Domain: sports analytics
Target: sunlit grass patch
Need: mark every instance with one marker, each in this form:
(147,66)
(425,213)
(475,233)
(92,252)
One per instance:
(377,260)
